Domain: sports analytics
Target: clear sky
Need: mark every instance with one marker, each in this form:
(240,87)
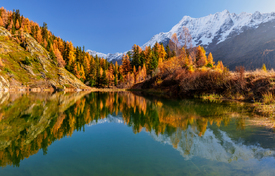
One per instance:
(111,26)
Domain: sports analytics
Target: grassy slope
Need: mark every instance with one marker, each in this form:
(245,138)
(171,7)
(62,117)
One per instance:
(41,73)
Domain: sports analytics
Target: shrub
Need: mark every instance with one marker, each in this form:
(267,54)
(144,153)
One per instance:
(191,69)
(240,70)
(209,65)
(268,98)
(7,70)
(26,61)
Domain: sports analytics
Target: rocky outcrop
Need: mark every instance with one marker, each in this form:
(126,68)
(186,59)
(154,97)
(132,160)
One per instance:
(4,32)
(4,84)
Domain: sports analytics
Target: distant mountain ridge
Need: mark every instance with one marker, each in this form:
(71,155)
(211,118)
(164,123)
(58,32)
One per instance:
(214,30)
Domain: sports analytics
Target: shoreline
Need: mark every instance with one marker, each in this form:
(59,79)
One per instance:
(264,110)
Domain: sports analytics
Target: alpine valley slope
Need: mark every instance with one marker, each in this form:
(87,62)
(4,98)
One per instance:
(235,39)
(40,73)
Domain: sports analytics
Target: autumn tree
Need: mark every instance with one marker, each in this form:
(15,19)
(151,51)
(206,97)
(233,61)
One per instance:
(116,71)
(186,38)
(174,43)
(162,53)
(17,26)
(182,58)
(126,64)
(201,57)
(110,75)
(86,64)
(220,66)
(71,56)
(1,22)
(264,68)
(210,60)
(79,71)
(59,58)
(39,37)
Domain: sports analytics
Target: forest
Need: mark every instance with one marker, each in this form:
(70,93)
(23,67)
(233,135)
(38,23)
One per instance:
(137,64)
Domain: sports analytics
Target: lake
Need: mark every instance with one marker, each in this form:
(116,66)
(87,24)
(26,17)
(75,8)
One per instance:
(123,133)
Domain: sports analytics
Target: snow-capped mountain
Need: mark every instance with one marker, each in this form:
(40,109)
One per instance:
(215,27)
(108,119)
(215,146)
(110,57)
(218,34)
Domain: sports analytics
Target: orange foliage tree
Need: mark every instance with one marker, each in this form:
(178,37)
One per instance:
(1,22)
(59,58)
(17,26)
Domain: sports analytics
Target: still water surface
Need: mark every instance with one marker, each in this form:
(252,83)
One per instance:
(126,134)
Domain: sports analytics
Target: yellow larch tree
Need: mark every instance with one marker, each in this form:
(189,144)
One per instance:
(17,25)
(1,22)
(201,59)
(210,59)
(126,64)
(220,66)
(59,58)
(174,43)
(162,53)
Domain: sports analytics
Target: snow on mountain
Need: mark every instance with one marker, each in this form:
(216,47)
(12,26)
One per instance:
(110,57)
(214,28)
(108,119)
(217,26)
(215,147)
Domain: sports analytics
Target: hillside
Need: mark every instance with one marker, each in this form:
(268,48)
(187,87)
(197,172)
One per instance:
(29,66)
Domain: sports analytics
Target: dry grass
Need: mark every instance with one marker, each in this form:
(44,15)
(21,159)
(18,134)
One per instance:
(268,98)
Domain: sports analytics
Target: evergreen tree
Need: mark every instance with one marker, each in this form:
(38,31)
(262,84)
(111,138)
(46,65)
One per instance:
(136,59)
(115,80)
(168,51)
(104,80)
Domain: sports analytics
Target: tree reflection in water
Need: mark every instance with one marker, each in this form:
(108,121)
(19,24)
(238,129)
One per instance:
(30,122)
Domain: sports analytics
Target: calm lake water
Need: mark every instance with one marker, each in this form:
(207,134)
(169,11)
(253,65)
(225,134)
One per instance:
(126,134)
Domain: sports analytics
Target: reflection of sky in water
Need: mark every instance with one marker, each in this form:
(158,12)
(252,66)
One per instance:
(217,147)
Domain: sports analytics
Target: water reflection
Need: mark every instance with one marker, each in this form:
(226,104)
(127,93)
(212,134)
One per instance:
(215,131)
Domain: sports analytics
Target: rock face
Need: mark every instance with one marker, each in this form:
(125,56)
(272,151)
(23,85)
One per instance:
(41,73)
(4,84)
(236,39)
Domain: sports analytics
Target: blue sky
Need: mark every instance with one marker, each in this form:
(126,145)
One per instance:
(115,25)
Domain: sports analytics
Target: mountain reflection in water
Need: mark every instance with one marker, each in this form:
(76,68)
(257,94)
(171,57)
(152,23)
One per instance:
(216,131)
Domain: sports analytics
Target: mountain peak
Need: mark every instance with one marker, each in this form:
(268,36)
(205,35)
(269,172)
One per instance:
(212,29)
(225,12)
